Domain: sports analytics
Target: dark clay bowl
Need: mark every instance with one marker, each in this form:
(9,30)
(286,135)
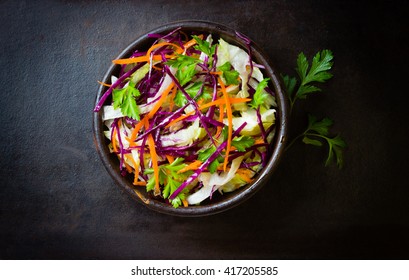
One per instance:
(218,203)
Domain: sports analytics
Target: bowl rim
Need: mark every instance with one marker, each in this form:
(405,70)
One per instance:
(238,196)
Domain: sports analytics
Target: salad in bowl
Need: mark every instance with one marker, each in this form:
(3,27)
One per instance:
(190,118)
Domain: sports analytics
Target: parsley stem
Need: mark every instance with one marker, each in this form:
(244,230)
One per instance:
(316,135)
(293,141)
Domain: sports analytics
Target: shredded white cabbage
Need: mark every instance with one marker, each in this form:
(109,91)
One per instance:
(250,117)
(184,136)
(212,182)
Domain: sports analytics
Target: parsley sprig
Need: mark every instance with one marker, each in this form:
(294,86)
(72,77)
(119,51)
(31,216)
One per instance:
(260,95)
(186,68)
(124,98)
(204,46)
(171,179)
(321,63)
(180,99)
(317,132)
(230,75)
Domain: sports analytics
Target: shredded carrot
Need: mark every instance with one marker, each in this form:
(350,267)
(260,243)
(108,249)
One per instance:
(191,42)
(193,166)
(157,68)
(221,116)
(143,58)
(136,168)
(138,127)
(104,84)
(230,121)
(216,73)
(113,140)
(154,157)
(132,144)
(140,183)
(128,167)
(185,203)
(245,178)
(200,102)
(170,158)
(160,101)
(178,49)
(245,171)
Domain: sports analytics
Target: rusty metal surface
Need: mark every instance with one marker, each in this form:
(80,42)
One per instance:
(58,202)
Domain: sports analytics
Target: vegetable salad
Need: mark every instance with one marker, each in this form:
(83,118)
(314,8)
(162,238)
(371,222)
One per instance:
(191,116)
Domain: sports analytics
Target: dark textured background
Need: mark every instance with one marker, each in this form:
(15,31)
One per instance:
(58,202)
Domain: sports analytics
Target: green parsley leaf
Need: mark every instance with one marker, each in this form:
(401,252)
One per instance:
(321,63)
(225,132)
(185,67)
(176,165)
(170,180)
(150,185)
(182,61)
(180,99)
(170,187)
(185,74)
(212,167)
(321,127)
(204,46)
(230,76)
(310,141)
(336,145)
(125,99)
(289,84)
(204,154)
(242,142)
(320,130)
(260,95)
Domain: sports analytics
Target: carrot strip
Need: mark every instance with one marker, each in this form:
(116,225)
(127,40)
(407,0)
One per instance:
(140,183)
(157,68)
(154,157)
(113,140)
(160,101)
(230,121)
(170,158)
(138,127)
(245,178)
(132,144)
(144,58)
(193,166)
(216,73)
(128,167)
(191,42)
(150,50)
(136,168)
(104,84)
(185,203)
(221,116)
(246,171)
